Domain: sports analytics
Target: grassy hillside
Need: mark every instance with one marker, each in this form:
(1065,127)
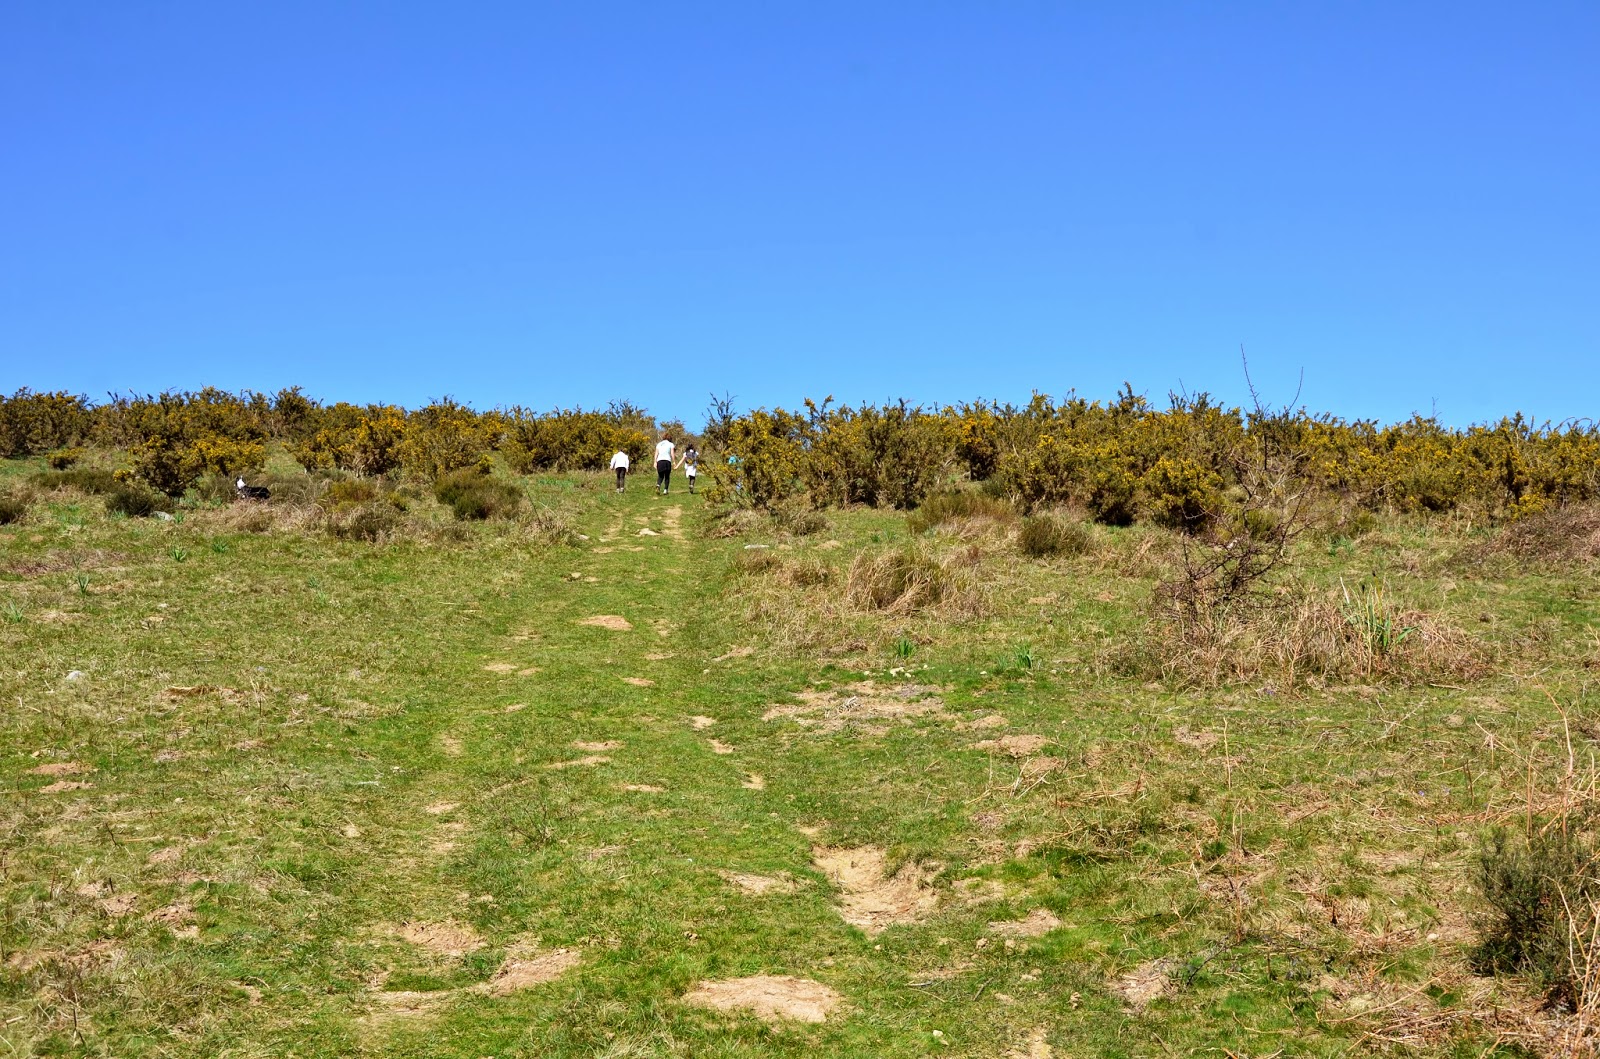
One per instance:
(473,791)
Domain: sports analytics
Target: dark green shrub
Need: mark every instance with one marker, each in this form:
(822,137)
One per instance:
(473,494)
(1050,536)
(91,480)
(136,500)
(1534,886)
(942,508)
(12,508)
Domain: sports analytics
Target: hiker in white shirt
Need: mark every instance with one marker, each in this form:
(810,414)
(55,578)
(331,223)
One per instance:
(664,452)
(619,463)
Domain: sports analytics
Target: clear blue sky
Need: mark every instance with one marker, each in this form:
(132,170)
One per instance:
(540,204)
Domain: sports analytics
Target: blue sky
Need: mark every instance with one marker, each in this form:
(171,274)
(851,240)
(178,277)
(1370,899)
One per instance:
(553,205)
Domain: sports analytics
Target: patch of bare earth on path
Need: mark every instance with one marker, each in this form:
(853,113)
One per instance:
(769,997)
(404,1004)
(62,786)
(588,761)
(500,667)
(700,723)
(644,788)
(1144,983)
(719,747)
(614,622)
(523,971)
(639,682)
(450,745)
(445,843)
(992,720)
(60,768)
(1037,923)
(735,652)
(449,938)
(751,883)
(1014,745)
(1035,1047)
(597,748)
(869,897)
(754,781)
(864,707)
(1195,740)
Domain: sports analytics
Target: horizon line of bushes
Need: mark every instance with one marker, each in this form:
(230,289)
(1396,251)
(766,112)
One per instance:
(1119,461)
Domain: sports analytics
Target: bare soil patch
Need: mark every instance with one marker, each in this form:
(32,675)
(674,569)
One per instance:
(165,855)
(440,808)
(771,998)
(1144,983)
(60,768)
(700,723)
(1195,740)
(760,884)
(1035,1047)
(582,762)
(449,938)
(501,667)
(862,706)
(62,786)
(644,788)
(735,652)
(1016,745)
(1036,924)
(601,747)
(614,622)
(450,745)
(719,747)
(524,972)
(639,682)
(990,720)
(754,781)
(405,1004)
(869,897)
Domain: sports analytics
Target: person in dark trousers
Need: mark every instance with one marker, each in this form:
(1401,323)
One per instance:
(619,463)
(690,462)
(664,453)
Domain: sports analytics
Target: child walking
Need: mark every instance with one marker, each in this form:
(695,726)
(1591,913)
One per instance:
(691,465)
(619,463)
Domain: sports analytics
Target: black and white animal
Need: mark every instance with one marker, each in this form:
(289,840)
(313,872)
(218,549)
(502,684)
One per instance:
(252,492)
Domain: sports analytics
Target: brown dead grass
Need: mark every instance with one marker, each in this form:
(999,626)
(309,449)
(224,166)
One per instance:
(863,706)
(770,998)
(614,622)
(449,938)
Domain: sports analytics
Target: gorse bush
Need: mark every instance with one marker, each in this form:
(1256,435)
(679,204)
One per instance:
(61,459)
(31,423)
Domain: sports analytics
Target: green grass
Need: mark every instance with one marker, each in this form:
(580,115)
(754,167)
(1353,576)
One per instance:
(299,745)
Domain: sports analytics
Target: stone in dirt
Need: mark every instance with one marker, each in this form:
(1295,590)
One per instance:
(1144,983)
(614,622)
(442,939)
(639,682)
(700,723)
(759,884)
(1038,923)
(1015,745)
(523,972)
(582,762)
(771,998)
(609,744)
(60,768)
(870,898)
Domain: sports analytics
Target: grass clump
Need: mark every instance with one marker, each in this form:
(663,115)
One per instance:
(943,509)
(1048,536)
(372,523)
(136,500)
(12,509)
(95,481)
(472,494)
(912,579)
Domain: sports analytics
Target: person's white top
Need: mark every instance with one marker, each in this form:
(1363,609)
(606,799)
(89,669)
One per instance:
(619,460)
(664,449)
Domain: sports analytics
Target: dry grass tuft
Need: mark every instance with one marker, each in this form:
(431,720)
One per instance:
(1562,535)
(913,579)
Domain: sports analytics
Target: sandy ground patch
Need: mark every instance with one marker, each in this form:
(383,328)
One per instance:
(991,720)
(1037,923)
(639,682)
(1195,740)
(719,747)
(450,745)
(759,884)
(60,768)
(644,788)
(165,855)
(977,891)
(1015,745)
(859,706)
(62,786)
(440,808)
(648,532)
(523,972)
(614,622)
(113,904)
(582,762)
(700,723)
(178,917)
(771,998)
(1035,1047)
(597,748)
(658,656)
(754,781)
(445,843)
(500,667)
(405,1004)
(1144,983)
(735,652)
(449,938)
(870,898)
